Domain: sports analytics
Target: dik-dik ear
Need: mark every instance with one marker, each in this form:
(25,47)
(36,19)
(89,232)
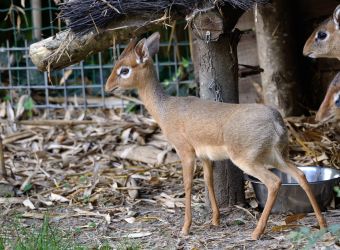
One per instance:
(147,48)
(336,17)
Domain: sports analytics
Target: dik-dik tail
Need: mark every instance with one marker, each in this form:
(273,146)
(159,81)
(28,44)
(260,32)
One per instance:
(325,40)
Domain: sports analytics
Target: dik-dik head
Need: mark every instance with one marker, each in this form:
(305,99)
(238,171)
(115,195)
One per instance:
(330,107)
(133,66)
(325,40)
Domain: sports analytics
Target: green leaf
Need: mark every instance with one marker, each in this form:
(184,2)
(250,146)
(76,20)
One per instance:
(185,62)
(28,187)
(29,104)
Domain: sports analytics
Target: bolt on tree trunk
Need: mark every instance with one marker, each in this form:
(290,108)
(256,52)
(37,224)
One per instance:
(215,59)
(277,56)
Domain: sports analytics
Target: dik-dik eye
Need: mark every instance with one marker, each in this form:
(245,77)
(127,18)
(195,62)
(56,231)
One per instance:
(322,35)
(337,100)
(124,72)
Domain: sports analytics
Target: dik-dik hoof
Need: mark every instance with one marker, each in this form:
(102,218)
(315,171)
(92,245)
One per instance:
(323,224)
(215,222)
(185,231)
(255,235)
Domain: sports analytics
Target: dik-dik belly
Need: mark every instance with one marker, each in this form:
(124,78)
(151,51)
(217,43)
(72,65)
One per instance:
(213,153)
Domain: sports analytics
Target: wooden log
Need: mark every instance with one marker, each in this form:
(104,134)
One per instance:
(65,49)
(278,56)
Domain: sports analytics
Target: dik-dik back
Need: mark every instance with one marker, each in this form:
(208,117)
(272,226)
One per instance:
(325,40)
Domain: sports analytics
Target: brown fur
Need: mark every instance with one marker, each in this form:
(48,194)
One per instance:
(253,136)
(328,110)
(329,47)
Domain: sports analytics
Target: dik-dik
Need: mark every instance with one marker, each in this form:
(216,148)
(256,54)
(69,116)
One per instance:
(253,136)
(330,106)
(325,40)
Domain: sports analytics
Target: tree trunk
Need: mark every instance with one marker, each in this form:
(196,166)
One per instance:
(36,18)
(216,61)
(278,56)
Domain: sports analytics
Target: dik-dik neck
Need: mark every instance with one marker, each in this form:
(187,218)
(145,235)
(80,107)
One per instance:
(152,94)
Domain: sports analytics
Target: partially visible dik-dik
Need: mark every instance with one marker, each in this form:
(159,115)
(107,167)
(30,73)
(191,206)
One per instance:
(325,40)
(330,107)
(253,136)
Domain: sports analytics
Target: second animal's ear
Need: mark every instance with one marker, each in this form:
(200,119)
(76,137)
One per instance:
(147,48)
(336,17)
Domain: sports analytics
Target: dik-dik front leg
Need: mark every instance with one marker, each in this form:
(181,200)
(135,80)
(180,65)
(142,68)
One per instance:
(188,161)
(209,181)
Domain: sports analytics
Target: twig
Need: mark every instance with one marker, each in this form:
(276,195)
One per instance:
(253,216)
(29,178)
(56,122)
(3,172)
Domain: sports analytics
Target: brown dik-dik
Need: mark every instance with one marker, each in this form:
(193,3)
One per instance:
(253,136)
(330,107)
(325,40)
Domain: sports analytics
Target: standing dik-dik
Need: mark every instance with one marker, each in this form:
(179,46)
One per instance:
(253,136)
(325,40)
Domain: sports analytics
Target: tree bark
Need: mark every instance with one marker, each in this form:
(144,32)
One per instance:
(65,49)
(278,56)
(216,61)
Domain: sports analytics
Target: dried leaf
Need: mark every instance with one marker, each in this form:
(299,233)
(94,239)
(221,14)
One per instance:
(293,218)
(130,220)
(138,235)
(57,197)
(284,227)
(131,183)
(28,203)
(21,106)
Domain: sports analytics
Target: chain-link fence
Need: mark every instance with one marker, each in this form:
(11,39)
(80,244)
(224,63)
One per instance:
(80,85)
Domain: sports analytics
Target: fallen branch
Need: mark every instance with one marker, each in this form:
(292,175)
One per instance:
(65,49)
(3,172)
(56,122)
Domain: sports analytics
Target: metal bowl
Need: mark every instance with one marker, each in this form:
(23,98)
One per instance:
(292,198)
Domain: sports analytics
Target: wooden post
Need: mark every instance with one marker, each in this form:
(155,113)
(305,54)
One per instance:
(278,55)
(36,18)
(216,62)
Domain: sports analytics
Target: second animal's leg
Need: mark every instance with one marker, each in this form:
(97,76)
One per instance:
(209,181)
(301,179)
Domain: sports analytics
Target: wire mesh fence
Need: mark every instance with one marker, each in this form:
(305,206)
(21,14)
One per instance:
(81,85)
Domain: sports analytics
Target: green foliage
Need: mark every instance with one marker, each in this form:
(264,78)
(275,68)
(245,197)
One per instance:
(27,187)
(128,244)
(29,106)
(46,237)
(306,239)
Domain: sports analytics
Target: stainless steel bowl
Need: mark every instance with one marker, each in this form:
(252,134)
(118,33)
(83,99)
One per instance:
(292,198)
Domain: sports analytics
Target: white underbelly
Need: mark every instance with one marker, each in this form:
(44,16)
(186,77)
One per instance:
(213,153)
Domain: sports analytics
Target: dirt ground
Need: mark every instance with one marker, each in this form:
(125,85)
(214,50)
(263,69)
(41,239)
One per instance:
(112,179)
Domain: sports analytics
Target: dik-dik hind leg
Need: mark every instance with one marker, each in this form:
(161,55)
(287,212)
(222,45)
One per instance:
(273,183)
(298,175)
(188,160)
(209,181)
